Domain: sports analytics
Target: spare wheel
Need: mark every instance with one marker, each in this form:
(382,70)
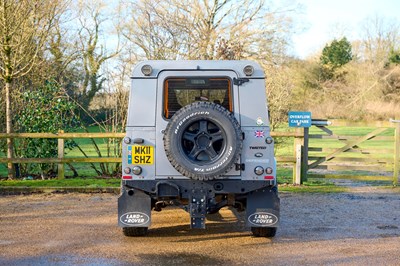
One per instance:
(203,141)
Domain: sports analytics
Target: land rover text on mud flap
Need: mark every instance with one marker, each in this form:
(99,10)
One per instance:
(198,137)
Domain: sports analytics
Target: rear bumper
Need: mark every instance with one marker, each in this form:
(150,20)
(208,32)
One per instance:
(184,188)
(259,198)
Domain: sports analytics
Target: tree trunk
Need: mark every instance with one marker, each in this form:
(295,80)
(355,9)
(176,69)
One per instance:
(10,153)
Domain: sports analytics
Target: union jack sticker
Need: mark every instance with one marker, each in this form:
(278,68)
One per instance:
(259,134)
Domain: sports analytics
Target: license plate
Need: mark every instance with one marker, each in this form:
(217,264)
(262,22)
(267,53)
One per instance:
(140,154)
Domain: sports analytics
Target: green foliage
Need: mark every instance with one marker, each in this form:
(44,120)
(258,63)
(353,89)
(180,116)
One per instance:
(394,57)
(337,54)
(49,110)
(334,56)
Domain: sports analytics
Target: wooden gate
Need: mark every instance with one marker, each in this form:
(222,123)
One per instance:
(370,149)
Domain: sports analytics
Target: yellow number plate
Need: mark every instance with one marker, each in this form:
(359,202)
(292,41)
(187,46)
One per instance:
(140,154)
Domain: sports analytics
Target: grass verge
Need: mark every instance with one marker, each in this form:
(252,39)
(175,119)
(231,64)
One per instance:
(313,189)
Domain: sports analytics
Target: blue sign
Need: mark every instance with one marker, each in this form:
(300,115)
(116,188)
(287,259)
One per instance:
(299,119)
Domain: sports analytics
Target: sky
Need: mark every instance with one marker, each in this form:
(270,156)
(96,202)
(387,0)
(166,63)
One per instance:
(324,20)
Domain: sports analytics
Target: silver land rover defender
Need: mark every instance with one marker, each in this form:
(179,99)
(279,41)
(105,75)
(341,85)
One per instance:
(198,137)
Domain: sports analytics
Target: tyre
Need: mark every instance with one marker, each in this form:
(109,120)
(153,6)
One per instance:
(203,141)
(263,231)
(134,231)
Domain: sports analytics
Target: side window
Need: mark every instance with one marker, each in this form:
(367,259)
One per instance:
(179,92)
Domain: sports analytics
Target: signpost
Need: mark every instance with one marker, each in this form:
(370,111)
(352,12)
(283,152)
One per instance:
(301,120)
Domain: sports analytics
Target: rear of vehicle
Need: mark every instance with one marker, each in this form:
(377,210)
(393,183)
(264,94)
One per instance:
(198,137)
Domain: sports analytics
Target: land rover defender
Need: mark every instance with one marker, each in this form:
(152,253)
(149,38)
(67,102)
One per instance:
(198,137)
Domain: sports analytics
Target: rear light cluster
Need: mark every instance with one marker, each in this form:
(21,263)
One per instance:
(259,170)
(146,70)
(127,170)
(269,140)
(136,170)
(268,170)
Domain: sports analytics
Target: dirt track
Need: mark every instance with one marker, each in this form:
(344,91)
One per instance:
(361,227)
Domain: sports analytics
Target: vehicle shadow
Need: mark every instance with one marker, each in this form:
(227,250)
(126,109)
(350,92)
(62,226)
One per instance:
(213,231)
(304,218)
(227,224)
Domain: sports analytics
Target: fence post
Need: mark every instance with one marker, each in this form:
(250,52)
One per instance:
(298,141)
(304,161)
(397,155)
(60,165)
(297,168)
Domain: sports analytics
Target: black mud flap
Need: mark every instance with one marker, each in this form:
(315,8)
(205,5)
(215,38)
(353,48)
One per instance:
(263,208)
(134,209)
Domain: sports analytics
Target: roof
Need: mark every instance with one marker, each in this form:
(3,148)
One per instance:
(209,65)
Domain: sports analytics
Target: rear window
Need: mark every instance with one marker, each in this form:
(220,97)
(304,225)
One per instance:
(179,92)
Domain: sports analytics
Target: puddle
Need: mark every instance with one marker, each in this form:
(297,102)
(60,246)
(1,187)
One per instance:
(182,258)
(387,227)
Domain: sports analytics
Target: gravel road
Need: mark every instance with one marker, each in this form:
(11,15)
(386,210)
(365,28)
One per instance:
(355,228)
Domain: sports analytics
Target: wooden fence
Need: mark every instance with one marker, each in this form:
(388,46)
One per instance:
(309,151)
(61,160)
(367,148)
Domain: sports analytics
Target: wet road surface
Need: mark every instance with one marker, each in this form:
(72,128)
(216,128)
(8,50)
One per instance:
(361,227)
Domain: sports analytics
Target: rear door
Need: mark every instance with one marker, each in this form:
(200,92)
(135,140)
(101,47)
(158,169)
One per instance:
(176,89)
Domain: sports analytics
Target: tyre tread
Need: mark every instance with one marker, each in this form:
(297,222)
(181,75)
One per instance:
(134,231)
(264,231)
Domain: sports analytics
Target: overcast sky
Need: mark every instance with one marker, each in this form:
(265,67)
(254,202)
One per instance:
(323,18)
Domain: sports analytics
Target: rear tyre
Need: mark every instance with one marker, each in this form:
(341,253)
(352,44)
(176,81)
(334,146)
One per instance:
(134,231)
(263,231)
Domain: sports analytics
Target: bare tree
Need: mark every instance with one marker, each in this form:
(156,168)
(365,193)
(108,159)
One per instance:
(24,28)
(381,35)
(216,29)
(93,51)
(212,29)
(147,29)
(279,92)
